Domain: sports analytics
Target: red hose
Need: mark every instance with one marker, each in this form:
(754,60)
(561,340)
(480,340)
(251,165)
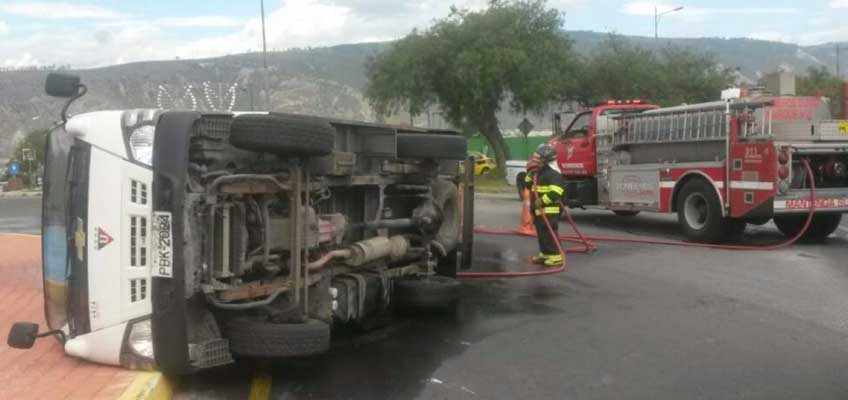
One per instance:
(586,241)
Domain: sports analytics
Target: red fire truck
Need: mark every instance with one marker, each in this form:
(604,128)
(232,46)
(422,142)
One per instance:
(719,165)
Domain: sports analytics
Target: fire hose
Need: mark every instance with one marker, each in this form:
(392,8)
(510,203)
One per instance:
(587,241)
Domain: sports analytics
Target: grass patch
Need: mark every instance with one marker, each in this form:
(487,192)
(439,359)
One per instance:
(492,182)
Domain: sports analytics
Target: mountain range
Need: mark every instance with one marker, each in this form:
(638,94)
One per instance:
(325,81)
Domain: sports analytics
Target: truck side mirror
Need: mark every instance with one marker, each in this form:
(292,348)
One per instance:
(62,85)
(66,86)
(22,335)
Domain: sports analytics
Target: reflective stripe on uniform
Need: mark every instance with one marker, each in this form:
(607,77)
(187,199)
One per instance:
(550,189)
(546,199)
(548,210)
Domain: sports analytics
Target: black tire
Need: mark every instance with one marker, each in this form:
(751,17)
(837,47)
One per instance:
(822,226)
(431,145)
(625,213)
(735,230)
(485,171)
(704,224)
(428,292)
(284,134)
(519,184)
(252,338)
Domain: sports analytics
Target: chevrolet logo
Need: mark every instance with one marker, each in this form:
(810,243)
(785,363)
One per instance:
(79,239)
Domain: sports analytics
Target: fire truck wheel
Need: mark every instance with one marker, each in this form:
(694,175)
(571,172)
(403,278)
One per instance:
(625,213)
(820,228)
(285,134)
(251,337)
(428,292)
(699,213)
(735,230)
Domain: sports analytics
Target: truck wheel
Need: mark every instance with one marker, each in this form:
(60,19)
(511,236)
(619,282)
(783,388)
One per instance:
(625,213)
(285,134)
(519,184)
(699,213)
(252,338)
(427,292)
(820,228)
(431,145)
(735,230)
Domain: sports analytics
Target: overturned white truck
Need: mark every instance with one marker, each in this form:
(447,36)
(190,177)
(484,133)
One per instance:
(177,239)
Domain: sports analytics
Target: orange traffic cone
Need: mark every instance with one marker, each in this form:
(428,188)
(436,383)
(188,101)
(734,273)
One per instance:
(526,227)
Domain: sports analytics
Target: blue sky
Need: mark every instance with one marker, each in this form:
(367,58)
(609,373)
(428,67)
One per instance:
(87,33)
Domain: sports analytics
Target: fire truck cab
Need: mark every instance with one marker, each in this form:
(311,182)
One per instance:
(719,165)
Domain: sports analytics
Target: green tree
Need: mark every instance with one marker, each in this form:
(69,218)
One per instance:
(670,76)
(472,62)
(35,141)
(820,82)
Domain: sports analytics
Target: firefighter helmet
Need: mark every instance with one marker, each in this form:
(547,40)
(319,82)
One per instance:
(546,152)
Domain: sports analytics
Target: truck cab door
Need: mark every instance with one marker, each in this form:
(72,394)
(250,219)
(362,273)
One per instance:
(576,147)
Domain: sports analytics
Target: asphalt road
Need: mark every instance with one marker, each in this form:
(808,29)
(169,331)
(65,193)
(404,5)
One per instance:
(627,321)
(20,215)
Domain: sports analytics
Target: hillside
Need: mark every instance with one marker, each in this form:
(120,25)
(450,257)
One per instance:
(323,81)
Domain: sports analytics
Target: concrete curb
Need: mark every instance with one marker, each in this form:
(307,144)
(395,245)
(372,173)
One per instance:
(493,195)
(149,386)
(16,195)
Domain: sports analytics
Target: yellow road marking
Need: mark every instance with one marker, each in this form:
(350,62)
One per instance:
(260,386)
(148,386)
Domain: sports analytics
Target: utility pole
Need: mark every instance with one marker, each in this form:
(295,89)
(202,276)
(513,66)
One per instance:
(838,74)
(657,16)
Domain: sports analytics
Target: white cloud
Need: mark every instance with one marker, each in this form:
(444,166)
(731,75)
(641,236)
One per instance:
(25,60)
(647,8)
(199,21)
(56,10)
(838,3)
(4,28)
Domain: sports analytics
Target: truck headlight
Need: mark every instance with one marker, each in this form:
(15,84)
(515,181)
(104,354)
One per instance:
(137,350)
(141,144)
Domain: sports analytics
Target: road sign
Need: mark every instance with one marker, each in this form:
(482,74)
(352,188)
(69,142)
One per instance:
(525,126)
(27,154)
(14,167)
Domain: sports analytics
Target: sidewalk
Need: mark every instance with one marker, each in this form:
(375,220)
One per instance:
(20,193)
(44,372)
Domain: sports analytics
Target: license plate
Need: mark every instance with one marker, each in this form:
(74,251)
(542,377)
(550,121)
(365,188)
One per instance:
(843,127)
(163,254)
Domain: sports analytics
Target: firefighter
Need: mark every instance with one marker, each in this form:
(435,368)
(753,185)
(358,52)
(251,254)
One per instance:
(546,197)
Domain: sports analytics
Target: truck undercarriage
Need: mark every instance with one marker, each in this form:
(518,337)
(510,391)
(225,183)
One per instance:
(284,224)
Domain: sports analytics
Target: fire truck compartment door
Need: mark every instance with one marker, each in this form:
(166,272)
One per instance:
(635,186)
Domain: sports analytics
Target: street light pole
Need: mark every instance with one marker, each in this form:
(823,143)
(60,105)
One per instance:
(657,16)
(265,58)
(264,47)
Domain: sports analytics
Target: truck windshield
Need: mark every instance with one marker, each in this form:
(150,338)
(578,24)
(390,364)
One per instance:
(54,233)
(580,126)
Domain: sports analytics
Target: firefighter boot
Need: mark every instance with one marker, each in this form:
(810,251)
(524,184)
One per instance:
(553,260)
(538,259)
